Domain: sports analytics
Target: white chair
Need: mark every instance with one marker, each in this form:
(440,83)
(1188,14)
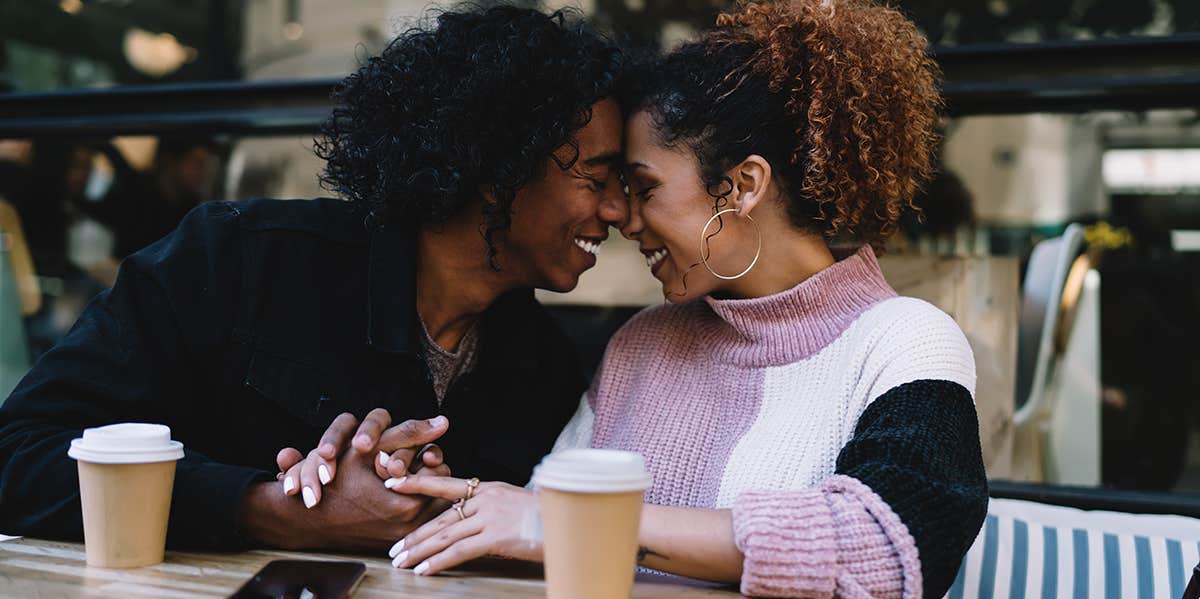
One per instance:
(1058,363)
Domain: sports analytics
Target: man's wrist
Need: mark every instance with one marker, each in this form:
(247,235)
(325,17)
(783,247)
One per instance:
(267,516)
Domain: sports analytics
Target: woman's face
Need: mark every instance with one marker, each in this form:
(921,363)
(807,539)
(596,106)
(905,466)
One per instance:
(669,206)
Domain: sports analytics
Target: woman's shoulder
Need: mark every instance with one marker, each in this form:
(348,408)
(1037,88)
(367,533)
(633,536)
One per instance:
(900,318)
(655,325)
(910,339)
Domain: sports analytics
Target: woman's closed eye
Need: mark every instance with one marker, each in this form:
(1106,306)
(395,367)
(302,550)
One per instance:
(645,193)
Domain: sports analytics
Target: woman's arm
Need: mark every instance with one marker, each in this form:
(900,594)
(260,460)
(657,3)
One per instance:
(692,542)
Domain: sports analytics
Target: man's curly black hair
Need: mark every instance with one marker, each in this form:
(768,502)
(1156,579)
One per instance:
(479,101)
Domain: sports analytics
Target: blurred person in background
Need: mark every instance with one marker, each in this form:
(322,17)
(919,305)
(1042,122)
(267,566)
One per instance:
(142,207)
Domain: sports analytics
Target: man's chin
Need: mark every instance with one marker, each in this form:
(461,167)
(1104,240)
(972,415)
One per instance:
(562,284)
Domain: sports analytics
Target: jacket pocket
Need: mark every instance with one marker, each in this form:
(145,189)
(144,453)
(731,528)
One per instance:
(304,391)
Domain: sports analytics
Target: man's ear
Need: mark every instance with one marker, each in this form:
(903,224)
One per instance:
(751,178)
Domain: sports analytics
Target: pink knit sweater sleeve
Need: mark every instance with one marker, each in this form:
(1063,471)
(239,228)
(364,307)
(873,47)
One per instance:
(837,539)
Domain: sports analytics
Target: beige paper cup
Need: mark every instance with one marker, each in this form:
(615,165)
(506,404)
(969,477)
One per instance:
(126,474)
(591,503)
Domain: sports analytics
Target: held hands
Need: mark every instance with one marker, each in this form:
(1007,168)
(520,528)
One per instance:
(496,520)
(356,513)
(391,450)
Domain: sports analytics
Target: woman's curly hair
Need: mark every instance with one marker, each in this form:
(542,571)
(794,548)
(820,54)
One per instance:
(478,101)
(839,96)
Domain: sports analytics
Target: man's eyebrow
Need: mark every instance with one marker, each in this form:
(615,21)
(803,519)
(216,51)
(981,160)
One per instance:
(613,158)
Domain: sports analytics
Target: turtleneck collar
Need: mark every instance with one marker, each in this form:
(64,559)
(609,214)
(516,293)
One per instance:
(794,324)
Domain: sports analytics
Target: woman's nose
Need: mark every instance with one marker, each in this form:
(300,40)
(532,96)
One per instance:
(632,228)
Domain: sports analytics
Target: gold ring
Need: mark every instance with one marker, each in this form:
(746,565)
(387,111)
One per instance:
(471,484)
(458,507)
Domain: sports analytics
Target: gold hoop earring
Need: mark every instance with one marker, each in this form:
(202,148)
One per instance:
(704,258)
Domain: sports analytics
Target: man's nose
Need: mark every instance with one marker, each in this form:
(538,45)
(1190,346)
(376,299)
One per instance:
(614,208)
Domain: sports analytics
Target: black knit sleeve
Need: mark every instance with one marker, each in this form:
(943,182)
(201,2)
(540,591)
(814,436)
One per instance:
(917,446)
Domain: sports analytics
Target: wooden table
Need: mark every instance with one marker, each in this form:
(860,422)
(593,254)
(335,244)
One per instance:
(45,569)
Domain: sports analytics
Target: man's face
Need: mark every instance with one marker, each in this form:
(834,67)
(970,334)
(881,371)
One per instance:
(560,218)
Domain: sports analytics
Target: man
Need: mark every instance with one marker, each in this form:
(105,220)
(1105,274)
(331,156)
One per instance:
(480,160)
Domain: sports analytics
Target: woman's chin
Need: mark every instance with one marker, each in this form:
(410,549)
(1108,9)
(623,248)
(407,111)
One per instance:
(674,291)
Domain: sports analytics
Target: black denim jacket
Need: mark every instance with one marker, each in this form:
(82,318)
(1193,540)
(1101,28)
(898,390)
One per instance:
(248,329)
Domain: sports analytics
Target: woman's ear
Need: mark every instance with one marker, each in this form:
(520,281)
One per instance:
(751,179)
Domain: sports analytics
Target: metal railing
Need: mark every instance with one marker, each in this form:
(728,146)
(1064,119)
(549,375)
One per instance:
(1076,76)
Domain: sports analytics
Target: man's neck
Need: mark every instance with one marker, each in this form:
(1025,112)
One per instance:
(455,283)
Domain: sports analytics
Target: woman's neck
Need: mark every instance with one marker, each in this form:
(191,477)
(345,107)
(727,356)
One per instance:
(789,257)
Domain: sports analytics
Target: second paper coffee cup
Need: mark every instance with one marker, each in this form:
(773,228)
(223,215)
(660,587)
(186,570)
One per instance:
(591,502)
(126,475)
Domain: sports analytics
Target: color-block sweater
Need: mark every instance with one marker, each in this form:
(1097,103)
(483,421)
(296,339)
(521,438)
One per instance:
(835,419)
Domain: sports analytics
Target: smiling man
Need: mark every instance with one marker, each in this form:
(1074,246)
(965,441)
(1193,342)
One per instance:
(479,160)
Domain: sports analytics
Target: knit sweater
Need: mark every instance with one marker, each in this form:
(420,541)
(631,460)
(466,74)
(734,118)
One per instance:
(835,419)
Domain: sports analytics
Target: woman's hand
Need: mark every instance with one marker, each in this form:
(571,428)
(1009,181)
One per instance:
(397,446)
(500,521)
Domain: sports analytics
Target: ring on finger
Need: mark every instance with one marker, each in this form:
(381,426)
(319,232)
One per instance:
(471,484)
(458,507)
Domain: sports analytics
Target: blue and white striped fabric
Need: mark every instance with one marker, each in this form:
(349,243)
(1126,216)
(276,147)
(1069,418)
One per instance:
(1030,550)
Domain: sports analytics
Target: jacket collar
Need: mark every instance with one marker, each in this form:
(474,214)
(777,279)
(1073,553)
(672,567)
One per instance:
(391,290)
(512,325)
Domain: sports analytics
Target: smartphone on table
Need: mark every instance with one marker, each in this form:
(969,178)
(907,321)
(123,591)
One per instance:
(303,579)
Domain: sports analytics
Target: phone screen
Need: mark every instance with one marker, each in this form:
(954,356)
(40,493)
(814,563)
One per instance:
(303,579)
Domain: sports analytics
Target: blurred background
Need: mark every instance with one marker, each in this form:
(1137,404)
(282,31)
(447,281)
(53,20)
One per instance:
(1062,231)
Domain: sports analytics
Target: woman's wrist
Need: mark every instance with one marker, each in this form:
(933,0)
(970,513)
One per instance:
(692,542)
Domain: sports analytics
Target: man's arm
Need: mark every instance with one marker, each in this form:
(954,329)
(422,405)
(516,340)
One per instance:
(135,354)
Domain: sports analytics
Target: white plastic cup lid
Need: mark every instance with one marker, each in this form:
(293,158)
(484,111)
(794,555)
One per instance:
(126,443)
(592,471)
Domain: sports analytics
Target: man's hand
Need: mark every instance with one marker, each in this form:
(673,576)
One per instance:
(396,447)
(359,513)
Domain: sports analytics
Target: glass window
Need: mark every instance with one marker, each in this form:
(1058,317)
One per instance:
(945,22)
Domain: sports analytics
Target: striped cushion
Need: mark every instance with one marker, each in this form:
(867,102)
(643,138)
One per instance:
(1036,551)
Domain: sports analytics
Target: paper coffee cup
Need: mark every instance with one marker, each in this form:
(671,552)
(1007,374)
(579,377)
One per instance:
(126,473)
(591,501)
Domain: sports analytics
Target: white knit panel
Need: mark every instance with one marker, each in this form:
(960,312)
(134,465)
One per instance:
(911,340)
(578,432)
(810,408)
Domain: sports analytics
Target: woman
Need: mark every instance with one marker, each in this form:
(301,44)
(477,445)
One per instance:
(809,432)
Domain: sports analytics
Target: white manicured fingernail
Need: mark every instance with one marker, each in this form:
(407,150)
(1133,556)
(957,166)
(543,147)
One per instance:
(310,498)
(399,559)
(383,459)
(289,483)
(323,474)
(396,548)
(421,568)
(392,483)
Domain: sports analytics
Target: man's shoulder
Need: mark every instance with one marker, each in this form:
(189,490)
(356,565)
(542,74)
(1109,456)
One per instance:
(328,218)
